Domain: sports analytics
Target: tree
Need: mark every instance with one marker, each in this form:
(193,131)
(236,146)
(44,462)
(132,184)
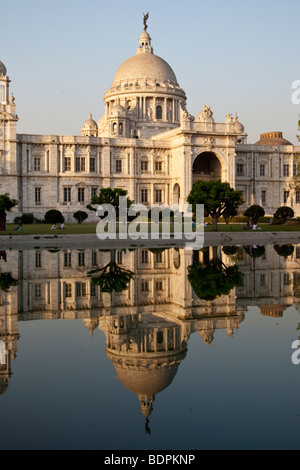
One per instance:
(109,196)
(284,250)
(80,216)
(214,278)
(54,216)
(283,213)
(111,278)
(217,197)
(254,212)
(6,204)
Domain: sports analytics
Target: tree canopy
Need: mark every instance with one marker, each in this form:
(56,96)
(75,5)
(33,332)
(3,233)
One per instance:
(111,278)
(6,203)
(213,279)
(254,212)
(218,199)
(109,196)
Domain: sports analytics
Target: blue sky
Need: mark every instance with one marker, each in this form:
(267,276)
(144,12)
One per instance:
(235,56)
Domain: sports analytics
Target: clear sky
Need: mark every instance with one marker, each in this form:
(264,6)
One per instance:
(235,56)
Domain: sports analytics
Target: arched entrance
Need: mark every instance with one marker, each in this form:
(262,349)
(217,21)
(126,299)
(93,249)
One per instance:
(206,167)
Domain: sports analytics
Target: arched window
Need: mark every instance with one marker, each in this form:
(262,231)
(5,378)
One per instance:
(121,128)
(158,112)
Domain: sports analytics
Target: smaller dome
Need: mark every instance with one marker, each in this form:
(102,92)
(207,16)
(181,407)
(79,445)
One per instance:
(118,109)
(90,127)
(272,138)
(3,70)
(238,127)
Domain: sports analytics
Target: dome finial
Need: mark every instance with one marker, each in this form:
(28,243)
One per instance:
(145,21)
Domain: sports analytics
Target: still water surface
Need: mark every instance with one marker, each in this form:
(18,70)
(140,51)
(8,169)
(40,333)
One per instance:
(155,366)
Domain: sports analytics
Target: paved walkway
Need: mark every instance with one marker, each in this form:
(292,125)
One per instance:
(67,241)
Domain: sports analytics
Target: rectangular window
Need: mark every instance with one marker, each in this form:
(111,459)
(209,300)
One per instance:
(144,166)
(145,286)
(297,252)
(67,259)
(286,279)
(145,256)
(80,164)
(37,164)
(262,170)
(67,166)
(68,290)
(285,196)
(38,259)
(94,192)
(286,170)
(67,194)
(262,280)
(119,257)
(118,166)
(159,285)
(158,195)
(94,258)
(158,166)
(295,169)
(93,290)
(37,196)
(81,194)
(240,169)
(144,195)
(297,197)
(81,289)
(37,291)
(158,257)
(92,164)
(81,258)
(263,197)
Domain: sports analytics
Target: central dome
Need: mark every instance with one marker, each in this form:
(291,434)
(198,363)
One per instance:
(145,66)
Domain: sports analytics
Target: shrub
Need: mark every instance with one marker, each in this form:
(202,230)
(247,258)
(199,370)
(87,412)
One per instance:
(26,218)
(80,216)
(54,216)
(254,212)
(284,213)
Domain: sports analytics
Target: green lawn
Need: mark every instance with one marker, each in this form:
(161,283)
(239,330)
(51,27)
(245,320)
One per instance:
(45,229)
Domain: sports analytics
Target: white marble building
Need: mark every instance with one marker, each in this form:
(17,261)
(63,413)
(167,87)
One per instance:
(147,143)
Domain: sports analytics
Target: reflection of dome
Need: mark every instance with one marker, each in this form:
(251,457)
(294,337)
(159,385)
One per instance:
(145,66)
(91,323)
(146,381)
(3,70)
(272,310)
(272,138)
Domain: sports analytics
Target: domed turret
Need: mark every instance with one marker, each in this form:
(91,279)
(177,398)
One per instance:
(90,127)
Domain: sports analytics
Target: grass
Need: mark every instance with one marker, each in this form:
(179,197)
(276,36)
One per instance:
(90,228)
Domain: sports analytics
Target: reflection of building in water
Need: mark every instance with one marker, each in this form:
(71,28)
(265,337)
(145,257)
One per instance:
(147,325)
(270,279)
(8,320)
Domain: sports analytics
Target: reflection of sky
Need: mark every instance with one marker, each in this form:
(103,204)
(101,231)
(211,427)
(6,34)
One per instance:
(241,392)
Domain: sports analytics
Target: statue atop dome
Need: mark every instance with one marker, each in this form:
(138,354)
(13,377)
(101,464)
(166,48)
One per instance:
(146,17)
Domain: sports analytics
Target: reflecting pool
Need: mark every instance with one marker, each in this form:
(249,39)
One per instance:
(150,348)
